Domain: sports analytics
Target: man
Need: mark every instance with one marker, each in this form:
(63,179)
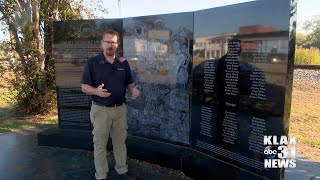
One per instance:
(105,78)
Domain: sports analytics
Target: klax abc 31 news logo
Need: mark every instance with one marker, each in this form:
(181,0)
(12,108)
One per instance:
(277,152)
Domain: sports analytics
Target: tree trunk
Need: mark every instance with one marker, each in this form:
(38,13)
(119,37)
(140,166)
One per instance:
(14,38)
(36,25)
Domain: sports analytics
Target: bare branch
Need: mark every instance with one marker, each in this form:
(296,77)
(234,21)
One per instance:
(19,6)
(56,13)
(36,26)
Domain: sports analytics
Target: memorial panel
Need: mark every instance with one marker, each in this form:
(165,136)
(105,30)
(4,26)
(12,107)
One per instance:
(159,50)
(212,83)
(240,63)
(74,43)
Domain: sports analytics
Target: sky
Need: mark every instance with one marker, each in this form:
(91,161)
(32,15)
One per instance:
(131,8)
(306,10)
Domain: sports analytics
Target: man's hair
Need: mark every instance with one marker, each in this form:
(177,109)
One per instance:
(111,32)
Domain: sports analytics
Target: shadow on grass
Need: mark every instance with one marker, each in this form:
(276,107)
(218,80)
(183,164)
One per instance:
(7,113)
(12,121)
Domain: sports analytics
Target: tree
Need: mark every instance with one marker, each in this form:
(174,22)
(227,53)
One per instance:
(313,39)
(30,25)
(301,40)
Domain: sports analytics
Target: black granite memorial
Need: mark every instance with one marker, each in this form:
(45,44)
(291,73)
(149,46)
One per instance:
(159,51)
(212,83)
(239,85)
(74,43)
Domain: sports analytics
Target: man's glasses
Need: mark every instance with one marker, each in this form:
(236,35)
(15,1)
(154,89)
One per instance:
(109,42)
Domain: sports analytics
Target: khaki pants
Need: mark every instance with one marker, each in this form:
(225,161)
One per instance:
(111,120)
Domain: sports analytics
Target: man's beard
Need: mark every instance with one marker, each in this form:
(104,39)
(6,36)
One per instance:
(110,52)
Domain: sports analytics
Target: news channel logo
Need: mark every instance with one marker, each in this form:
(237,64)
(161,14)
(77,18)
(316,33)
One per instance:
(280,151)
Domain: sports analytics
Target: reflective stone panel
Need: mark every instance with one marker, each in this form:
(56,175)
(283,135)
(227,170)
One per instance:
(212,83)
(240,62)
(159,50)
(74,43)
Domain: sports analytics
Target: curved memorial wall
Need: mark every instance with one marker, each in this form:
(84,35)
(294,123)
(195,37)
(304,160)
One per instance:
(213,83)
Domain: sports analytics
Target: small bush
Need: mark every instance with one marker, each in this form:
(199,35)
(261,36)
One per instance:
(307,56)
(35,90)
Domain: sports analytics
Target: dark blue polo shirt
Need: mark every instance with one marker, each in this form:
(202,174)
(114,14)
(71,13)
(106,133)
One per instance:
(115,77)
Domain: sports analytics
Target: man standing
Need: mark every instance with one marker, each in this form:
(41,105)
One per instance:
(106,77)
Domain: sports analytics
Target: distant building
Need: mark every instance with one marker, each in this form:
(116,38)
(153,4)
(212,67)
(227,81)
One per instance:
(217,46)
(263,39)
(255,38)
(255,29)
(211,47)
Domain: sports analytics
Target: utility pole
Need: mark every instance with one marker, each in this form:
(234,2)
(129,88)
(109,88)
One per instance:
(119,6)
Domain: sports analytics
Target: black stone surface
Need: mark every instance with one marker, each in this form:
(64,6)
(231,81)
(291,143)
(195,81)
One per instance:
(191,162)
(77,41)
(81,31)
(159,50)
(158,152)
(202,110)
(73,108)
(74,43)
(201,166)
(238,98)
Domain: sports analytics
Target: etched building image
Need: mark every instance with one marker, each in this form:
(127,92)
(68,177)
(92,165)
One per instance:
(159,52)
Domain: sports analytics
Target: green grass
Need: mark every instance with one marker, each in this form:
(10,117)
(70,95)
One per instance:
(15,124)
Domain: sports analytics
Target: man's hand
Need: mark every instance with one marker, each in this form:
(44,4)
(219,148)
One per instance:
(133,90)
(102,92)
(135,93)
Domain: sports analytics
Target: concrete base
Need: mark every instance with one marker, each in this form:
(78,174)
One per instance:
(193,163)
(298,175)
(22,158)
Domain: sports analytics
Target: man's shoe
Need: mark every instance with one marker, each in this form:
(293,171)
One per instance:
(126,176)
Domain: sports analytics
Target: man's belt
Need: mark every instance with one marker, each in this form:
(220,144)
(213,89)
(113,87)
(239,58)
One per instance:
(112,105)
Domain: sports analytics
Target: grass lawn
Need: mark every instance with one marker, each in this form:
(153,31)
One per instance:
(9,120)
(16,124)
(305,118)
